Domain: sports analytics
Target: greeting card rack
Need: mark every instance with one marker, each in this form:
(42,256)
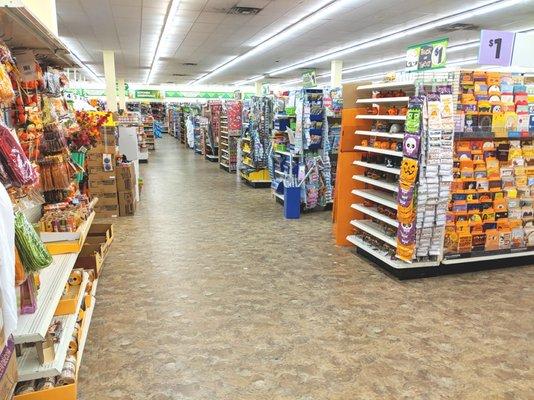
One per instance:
(436,172)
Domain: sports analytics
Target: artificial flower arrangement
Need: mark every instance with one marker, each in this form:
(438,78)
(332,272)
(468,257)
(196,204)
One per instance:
(89,130)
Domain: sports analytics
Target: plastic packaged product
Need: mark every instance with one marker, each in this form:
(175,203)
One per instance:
(46,383)
(16,164)
(33,252)
(6,90)
(25,387)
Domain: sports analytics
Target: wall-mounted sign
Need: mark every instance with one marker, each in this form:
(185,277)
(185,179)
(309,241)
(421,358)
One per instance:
(309,78)
(147,94)
(496,47)
(428,55)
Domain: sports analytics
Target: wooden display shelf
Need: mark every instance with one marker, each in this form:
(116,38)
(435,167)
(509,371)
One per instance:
(67,242)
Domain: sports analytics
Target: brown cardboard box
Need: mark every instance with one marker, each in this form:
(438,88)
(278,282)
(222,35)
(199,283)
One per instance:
(127,203)
(103,186)
(102,176)
(8,370)
(108,139)
(104,211)
(102,148)
(125,175)
(107,199)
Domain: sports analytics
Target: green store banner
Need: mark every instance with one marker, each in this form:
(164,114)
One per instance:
(202,95)
(309,78)
(428,55)
(147,94)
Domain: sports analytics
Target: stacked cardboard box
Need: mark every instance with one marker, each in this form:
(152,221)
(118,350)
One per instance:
(101,167)
(126,182)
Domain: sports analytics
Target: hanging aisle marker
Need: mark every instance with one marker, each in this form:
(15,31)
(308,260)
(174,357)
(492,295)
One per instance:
(428,55)
(496,47)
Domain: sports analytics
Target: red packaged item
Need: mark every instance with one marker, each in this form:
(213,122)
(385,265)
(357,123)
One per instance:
(16,164)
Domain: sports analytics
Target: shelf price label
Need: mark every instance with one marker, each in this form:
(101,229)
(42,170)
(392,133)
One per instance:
(496,47)
(428,55)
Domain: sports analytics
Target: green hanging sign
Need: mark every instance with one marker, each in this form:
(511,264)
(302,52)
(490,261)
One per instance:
(428,55)
(201,95)
(309,78)
(147,94)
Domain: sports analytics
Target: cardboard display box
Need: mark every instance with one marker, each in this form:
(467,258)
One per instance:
(127,203)
(125,175)
(107,199)
(103,186)
(107,211)
(8,370)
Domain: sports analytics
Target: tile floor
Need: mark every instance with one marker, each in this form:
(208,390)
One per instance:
(208,293)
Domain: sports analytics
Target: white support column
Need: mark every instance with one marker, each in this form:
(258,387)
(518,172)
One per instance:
(336,73)
(122,95)
(111,82)
(257,87)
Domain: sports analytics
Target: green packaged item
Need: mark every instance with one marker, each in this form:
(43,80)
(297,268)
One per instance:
(33,253)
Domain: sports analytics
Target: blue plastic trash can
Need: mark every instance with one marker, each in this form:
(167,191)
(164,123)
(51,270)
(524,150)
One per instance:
(292,202)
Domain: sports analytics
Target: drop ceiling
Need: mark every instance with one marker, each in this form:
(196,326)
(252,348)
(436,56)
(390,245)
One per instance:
(204,35)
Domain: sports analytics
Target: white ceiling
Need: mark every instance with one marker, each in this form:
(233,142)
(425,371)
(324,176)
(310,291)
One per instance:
(204,33)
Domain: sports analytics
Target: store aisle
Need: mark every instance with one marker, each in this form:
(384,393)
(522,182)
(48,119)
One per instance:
(203,298)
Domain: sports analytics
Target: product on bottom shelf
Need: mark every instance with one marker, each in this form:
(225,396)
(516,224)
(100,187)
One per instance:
(125,175)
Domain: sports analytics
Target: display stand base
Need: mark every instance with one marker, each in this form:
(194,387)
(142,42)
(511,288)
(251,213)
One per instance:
(445,269)
(257,184)
(212,158)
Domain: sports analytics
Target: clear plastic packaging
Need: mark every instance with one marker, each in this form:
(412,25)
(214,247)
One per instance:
(16,164)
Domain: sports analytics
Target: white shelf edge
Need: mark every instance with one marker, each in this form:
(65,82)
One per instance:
(377,167)
(368,226)
(376,196)
(380,134)
(375,182)
(382,117)
(403,99)
(85,332)
(28,363)
(397,264)
(385,85)
(393,153)
(487,258)
(375,214)
(33,327)
(280,196)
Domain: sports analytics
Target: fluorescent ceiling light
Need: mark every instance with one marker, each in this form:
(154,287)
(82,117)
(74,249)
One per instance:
(294,21)
(249,81)
(173,7)
(458,15)
(285,33)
